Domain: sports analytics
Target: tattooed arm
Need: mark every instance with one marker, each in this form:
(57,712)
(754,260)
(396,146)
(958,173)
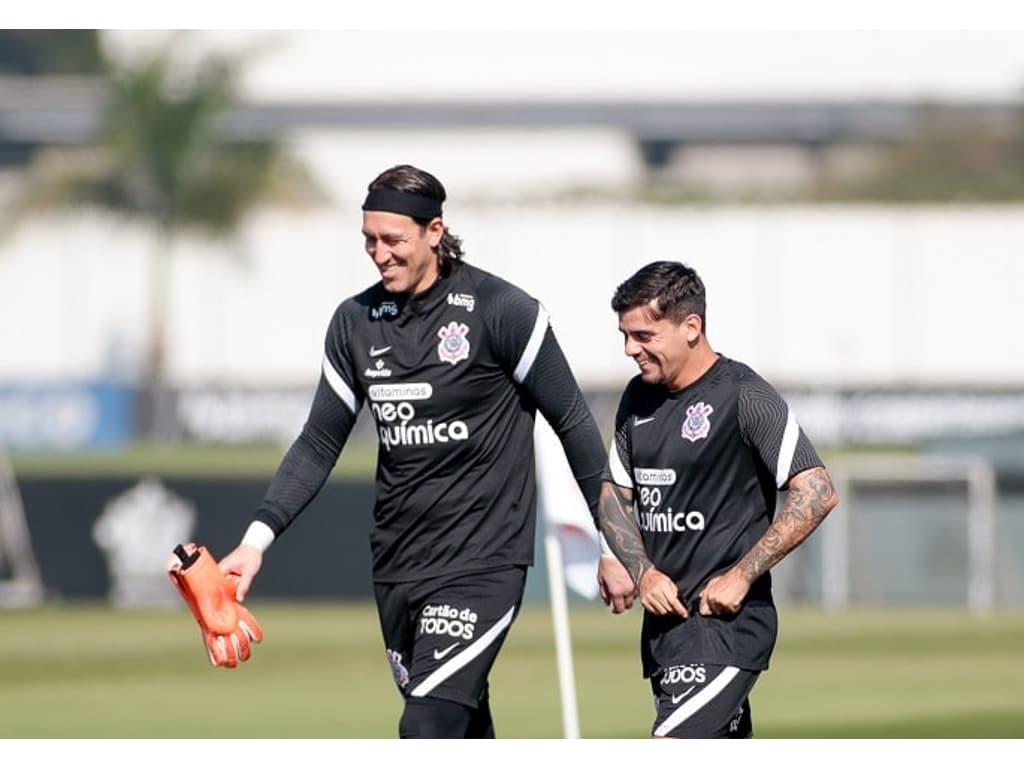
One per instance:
(809,499)
(658,593)
(620,529)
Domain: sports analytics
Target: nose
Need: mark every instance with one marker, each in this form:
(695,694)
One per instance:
(378,252)
(632,348)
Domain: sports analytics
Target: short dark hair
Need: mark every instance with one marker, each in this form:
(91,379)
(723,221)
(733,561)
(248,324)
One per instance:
(678,289)
(416,181)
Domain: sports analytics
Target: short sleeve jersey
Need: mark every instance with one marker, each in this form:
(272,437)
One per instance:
(704,464)
(442,374)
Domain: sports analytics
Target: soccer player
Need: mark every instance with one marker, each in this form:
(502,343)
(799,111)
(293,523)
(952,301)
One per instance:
(453,364)
(688,504)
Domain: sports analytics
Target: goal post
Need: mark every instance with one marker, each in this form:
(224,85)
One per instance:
(975,472)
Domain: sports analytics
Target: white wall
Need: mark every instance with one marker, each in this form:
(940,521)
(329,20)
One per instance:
(815,296)
(819,296)
(661,61)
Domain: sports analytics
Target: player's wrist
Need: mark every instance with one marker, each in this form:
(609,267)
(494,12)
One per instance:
(644,575)
(258,535)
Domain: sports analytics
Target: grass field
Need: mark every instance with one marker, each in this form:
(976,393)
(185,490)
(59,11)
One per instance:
(88,671)
(357,460)
(194,459)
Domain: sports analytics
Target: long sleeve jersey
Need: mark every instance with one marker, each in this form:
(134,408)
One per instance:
(453,378)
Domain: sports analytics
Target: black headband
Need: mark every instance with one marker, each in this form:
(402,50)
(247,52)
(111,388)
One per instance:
(406,203)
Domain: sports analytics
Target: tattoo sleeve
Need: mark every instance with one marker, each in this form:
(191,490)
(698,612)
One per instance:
(809,499)
(621,531)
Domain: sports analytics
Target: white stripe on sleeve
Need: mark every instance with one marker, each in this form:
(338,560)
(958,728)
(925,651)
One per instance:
(341,389)
(787,449)
(532,346)
(619,473)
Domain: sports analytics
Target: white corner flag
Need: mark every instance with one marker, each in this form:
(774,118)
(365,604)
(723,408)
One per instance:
(572,550)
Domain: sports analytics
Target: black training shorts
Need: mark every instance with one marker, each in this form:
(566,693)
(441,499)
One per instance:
(443,634)
(702,701)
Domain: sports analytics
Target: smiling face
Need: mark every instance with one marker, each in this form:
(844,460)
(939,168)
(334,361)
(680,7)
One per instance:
(403,250)
(666,353)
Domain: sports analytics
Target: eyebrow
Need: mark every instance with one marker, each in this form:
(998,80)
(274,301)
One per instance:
(383,235)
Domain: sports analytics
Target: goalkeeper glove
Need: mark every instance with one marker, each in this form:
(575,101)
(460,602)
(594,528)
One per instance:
(228,628)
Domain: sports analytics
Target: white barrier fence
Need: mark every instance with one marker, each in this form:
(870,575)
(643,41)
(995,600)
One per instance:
(809,296)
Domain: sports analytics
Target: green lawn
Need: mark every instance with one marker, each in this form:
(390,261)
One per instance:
(358,460)
(86,671)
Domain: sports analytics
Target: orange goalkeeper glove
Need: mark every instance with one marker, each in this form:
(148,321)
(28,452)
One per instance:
(228,627)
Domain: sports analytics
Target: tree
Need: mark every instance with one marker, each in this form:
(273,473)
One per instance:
(947,159)
(162,155)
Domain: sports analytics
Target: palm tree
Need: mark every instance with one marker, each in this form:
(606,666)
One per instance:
(162,155)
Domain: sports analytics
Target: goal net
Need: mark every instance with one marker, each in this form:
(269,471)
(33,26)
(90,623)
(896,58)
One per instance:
(912,530)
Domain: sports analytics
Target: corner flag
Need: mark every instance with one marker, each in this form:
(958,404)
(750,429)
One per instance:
(565,512)
(572,550)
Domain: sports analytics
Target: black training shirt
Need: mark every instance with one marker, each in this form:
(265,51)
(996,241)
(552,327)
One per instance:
(704,464)
(452,378)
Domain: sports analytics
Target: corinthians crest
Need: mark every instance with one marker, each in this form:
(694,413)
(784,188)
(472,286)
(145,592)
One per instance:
(697,424)
(454,345)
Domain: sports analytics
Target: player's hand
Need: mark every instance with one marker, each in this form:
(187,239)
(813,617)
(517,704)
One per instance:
(617,587)
(228,628)
(228,650)
(724,594)
(244,562)
(660,595)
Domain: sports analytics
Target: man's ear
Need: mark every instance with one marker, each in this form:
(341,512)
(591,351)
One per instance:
(693,327)
(435,231)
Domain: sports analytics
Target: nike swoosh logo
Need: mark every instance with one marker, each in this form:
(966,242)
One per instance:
(637,422)
(374,352)
(438,655)
(680,696)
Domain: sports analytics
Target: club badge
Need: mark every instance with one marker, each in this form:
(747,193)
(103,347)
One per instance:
(454,345)
(697,424)
(398,669)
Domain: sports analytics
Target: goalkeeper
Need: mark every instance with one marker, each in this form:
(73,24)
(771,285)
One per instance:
(455,363)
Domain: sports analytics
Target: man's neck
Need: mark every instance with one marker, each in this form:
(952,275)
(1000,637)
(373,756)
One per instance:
(700,363)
